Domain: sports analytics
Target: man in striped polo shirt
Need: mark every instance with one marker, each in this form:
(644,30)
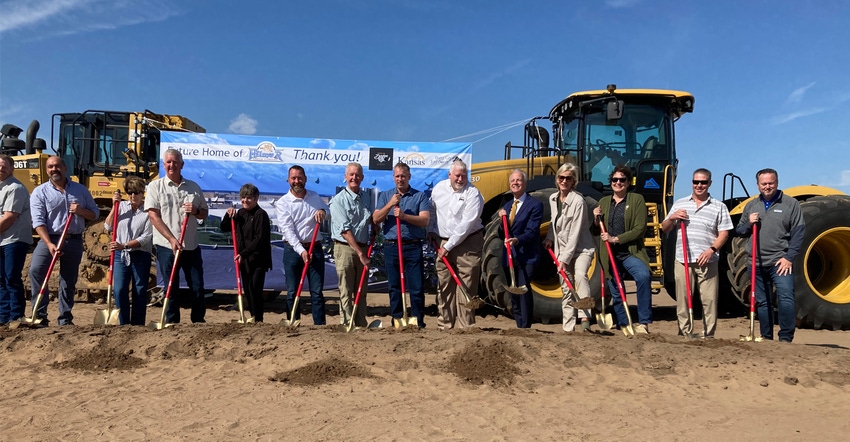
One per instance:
(707,225)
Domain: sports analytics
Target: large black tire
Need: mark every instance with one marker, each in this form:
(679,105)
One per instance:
(737,275)
(822,270)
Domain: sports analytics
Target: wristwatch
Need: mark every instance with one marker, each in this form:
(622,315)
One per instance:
(127,245)
(713,248)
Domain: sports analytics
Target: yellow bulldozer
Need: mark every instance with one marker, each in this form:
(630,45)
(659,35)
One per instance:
(101,149)
(599,129)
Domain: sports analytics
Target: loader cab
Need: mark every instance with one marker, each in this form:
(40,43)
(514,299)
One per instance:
(603,129)
(93,143)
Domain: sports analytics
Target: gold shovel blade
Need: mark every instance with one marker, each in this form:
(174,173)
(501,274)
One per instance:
(106,317)
(604,321)
(26,322)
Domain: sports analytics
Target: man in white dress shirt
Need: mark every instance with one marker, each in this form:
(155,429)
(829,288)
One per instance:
(456,208)
(297,214)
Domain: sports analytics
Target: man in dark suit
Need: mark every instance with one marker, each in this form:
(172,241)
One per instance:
(524,214)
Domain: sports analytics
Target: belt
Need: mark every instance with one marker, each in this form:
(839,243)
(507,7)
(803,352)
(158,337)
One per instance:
(345,243)
(473,233)
(404,241)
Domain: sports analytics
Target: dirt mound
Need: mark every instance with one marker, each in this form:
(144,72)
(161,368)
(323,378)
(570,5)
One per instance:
(102,358)
(321,372)
(493,363)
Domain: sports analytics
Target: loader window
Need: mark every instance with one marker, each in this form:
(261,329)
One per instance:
(111,146)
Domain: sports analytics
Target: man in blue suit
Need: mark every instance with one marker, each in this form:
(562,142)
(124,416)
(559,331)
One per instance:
(524,214)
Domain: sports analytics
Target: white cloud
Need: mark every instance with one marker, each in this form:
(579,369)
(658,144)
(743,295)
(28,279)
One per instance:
(67,17)
(490,79)
(797,95)
(243,124)
(782,119)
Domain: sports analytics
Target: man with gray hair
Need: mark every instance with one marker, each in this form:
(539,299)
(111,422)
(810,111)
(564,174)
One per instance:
(456,207)
(169,200)
(350,221)
(707,224)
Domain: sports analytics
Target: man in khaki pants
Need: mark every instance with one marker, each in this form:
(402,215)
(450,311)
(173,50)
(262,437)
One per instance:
(456,208)
(350,221)
(707,225)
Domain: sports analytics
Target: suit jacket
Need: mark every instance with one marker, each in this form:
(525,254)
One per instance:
(526,229)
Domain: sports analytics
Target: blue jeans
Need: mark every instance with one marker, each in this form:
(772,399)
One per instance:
(137,274)
(766,280)
(69,266)
(12,299)
(192,265)
(293,265)
(640,273)
(413,271)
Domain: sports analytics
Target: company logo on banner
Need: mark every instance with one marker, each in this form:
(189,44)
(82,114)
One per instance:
(380,158)
(224,162)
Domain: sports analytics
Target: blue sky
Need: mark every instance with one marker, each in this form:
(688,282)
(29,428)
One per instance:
(770,77)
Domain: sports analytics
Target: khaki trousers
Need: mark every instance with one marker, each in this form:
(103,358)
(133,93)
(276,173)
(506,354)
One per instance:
(577,270)
(348,269)
(465,258)
(706,279)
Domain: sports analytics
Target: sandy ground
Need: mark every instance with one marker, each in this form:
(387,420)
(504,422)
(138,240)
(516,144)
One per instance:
(269,382)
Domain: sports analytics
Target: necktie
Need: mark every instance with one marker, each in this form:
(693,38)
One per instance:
(513,212)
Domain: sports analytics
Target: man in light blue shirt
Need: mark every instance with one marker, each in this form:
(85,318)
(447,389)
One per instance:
(350,221)
(51,204)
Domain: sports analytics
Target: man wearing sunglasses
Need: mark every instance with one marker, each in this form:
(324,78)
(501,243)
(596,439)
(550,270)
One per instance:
(624,215)
(707,224)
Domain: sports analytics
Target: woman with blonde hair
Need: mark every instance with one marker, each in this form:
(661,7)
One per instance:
(569,233)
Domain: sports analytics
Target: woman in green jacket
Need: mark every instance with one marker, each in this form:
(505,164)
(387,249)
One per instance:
(624,215)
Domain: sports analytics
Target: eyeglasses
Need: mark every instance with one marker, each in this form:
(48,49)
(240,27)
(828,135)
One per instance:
(135,193)
(565,177)
(698,182)
(618,180)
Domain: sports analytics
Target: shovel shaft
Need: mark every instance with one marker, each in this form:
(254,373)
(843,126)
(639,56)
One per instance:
(686,257)
(304,272)
(363,276)
(753,271)
(50,267)
(454,276)
(617,279)
(560,270)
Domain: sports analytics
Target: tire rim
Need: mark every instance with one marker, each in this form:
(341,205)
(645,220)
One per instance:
(827,265)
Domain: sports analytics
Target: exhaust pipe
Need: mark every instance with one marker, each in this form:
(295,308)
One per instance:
(32,131)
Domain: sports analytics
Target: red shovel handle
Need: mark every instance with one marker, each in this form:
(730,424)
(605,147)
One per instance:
(114,231)
(398,241)
(507,236)
(448,266)
(560,270)
(686,258)
(364,273)
(753,267)
(177,256)
(613,262)
(56,254)
(307,264)
(235,254)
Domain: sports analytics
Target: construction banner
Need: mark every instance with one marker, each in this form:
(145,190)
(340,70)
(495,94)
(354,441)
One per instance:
(224,162)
